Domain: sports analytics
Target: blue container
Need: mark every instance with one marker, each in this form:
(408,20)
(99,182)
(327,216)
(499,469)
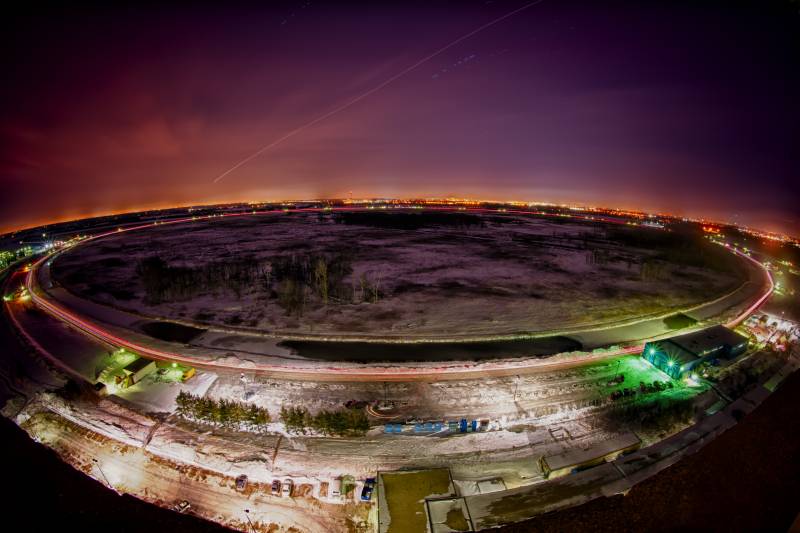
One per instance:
(387,428)
(463,425)
(474,425)
(428,426)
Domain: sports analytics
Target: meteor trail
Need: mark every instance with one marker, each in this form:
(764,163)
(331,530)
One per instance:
(374,89)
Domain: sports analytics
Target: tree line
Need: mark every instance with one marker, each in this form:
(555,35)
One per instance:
(222,411)
(342,422)
(293,280)
(408,221)
(164,282)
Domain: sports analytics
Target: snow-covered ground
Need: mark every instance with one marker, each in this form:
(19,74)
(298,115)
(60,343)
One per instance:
(520,275)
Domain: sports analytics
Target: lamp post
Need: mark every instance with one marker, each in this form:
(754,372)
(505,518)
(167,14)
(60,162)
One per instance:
(247,514)
(516,386)
(95,461)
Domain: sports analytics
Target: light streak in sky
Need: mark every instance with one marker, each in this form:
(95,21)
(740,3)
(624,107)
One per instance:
(375,89)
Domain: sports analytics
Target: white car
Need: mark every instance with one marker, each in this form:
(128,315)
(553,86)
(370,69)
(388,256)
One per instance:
(286,488)
(182,506)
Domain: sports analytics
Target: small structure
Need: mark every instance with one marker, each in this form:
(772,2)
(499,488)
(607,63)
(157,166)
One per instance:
(676,356)
(135,371)
(448,514)
(402,500)
(579,458)
(335,490)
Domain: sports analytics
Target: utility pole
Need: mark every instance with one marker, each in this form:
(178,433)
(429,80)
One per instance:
(95,461)
(247,514)
(516,386)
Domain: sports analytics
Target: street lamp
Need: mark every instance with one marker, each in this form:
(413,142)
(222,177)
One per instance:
(247,514)
(110,486)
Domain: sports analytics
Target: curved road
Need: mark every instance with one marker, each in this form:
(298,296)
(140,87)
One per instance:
(330,372)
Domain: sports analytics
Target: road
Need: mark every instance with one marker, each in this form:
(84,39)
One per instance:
(15,362)
(308,370)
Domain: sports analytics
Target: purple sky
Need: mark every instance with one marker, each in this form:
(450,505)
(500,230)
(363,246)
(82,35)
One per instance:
(676,108)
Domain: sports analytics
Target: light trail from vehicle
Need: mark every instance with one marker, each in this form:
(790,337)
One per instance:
(334,373)
(758,303)
(321,372)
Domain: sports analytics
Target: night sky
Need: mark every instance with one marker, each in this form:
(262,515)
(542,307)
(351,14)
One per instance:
(674,108)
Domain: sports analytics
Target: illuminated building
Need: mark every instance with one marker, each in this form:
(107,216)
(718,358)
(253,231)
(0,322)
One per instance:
(676,356)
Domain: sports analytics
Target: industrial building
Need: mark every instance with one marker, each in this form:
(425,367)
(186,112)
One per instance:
(676,356)
(579,458)
(135,371)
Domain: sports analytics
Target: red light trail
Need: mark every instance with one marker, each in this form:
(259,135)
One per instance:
(320,373)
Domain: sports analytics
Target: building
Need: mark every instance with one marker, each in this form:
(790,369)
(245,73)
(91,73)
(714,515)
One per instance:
(676,356)
(135,371)
(580,458)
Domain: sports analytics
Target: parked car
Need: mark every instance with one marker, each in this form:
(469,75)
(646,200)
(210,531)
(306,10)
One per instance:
(182,506)
(276,487)
(241,482)
(356,404)
(286,488)
(366,492)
